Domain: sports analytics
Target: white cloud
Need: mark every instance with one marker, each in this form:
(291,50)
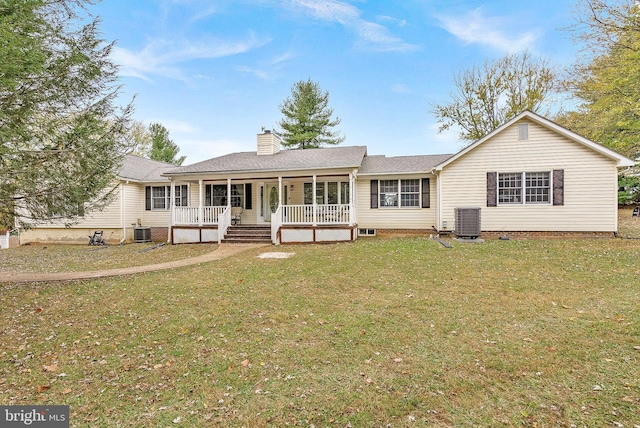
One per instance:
(160,57)
(371,36)
(501,33)
(258,73)
(398,22)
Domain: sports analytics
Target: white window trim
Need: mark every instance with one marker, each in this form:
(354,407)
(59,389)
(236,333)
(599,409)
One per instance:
(400,193)
(523,189)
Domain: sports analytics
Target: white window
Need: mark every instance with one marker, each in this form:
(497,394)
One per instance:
(159,198)
(331,192)
(538,187)
(534,186)
(399,193)
(388,193)
(182,196)
(410,193)
(216,195)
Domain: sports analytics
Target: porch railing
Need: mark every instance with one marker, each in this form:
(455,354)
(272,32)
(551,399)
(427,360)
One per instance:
(323,214)
(275,225)
(193,215)
(224,221)
(286,214)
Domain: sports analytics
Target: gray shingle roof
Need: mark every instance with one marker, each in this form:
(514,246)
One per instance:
(136,168)
(381,164)
(285,160)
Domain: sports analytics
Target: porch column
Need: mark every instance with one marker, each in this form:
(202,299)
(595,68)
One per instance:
(200,204)
(172,204)
(352,205)
(229,193)
(315,203)
(279,191)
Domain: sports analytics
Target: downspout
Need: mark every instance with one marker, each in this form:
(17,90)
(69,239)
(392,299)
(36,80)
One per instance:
(436,174)
(123,211)
(172,203)
(315,202)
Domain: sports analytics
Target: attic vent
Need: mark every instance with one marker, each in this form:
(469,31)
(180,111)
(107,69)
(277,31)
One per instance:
(523,131)
(467,222)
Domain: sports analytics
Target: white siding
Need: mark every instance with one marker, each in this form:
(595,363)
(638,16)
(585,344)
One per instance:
(590,183)
(393,218)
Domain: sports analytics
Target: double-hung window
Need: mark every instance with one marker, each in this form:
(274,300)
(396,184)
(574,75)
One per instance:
(331,192)
(159,197)
(388,193)
(524,187)
(399,193)
(216,195)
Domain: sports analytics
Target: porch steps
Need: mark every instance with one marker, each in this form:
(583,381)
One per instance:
(248,234)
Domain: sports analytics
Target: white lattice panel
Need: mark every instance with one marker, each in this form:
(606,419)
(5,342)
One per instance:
(296,235)
(330,235)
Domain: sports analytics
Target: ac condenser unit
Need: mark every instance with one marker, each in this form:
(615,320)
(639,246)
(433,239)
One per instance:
(142,234)
(467,222)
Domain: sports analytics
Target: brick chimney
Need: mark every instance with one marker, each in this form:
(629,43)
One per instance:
(268,143)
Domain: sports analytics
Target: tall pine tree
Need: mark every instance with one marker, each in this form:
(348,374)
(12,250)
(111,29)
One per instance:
(307,122)
(61,132)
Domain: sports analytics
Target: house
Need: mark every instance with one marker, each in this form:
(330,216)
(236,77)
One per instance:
(529,177)
(126,212)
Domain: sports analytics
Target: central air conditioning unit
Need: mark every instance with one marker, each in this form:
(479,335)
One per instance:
(142,234)
(467,222)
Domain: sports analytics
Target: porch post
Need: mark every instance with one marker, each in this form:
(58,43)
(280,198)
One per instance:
(351,199)
(315,203)
(200,204)
(172,204)
(279,191)
(229,193)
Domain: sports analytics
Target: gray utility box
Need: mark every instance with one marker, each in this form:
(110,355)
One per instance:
(467,222)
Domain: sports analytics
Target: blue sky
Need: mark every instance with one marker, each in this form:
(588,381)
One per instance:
(214,72)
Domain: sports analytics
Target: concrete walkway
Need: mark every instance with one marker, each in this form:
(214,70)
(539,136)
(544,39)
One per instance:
(223,251)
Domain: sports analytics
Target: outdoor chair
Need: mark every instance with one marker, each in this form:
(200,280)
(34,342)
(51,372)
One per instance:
(236,216)
(97,238)
(636,212)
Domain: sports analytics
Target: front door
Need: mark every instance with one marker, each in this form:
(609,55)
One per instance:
(270,200)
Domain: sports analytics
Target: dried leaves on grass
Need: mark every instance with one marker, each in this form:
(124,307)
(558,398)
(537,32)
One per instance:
(38,258)
(401,332)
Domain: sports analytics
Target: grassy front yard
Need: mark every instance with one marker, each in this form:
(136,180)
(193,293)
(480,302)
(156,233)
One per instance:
(402,332)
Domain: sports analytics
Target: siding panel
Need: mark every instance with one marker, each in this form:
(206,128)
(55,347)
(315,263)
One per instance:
(590,181)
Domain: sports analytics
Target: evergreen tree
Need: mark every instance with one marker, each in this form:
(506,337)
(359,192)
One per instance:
(163,149)
(307,122)
(61,133)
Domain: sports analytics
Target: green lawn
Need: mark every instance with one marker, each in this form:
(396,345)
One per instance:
(37,258)
(402,332)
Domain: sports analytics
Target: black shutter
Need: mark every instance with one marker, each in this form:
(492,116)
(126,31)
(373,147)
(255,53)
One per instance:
(207,195)
(147,198)
(247,196)
(426,193)
(492,189)
(558,187)
(374,193)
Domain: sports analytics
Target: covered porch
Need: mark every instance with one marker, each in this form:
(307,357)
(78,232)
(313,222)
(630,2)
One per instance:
(296,209)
